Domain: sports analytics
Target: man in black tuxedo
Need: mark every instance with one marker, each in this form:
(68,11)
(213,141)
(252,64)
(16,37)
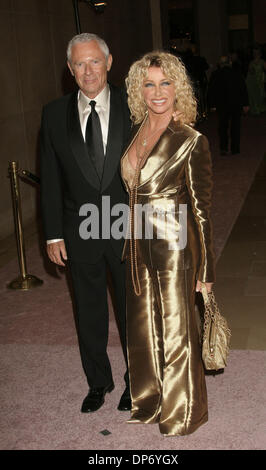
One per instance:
(82,137)
(228,94)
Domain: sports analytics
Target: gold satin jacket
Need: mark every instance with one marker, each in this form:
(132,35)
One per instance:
(177,171)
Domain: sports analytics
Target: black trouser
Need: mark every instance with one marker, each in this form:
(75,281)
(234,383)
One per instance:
(90,293)
(229,118)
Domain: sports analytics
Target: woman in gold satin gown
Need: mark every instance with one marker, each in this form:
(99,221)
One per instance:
(166,167)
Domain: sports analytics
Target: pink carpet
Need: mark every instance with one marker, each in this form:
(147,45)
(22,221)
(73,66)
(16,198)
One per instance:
(44,386)
(42,382)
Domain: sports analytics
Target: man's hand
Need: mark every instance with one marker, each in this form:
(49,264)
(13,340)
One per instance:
(207,284)
(246,109)
(56,251)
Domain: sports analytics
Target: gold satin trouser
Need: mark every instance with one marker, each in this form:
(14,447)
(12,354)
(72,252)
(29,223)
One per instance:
(166,372)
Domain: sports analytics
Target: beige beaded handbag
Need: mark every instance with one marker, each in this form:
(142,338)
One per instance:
(216,334)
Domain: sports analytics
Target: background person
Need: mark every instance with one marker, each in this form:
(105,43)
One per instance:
(228,94)
(256,83)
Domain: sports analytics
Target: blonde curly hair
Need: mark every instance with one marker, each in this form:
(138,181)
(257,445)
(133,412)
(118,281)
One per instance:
(175,71)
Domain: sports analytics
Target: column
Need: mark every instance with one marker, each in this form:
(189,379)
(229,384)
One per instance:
(212,29)
(156,24)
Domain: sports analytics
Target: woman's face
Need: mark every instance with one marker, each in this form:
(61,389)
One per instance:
(158,92)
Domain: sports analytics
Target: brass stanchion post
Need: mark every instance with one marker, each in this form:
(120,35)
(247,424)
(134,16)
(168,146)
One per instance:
(24,281)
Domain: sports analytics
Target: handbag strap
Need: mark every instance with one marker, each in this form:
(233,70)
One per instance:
(211,307)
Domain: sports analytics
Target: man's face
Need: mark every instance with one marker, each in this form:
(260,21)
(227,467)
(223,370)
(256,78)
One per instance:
(89,67)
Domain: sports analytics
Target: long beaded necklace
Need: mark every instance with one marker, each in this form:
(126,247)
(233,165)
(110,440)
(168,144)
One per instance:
(133,199)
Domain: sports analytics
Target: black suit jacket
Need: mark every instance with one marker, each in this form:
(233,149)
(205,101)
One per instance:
(227,89)
(69,178)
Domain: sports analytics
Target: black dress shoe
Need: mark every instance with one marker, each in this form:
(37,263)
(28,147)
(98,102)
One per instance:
(95,398)
(125,401)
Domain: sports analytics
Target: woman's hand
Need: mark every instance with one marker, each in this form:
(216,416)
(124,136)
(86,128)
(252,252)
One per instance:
(207,284)
(177,115)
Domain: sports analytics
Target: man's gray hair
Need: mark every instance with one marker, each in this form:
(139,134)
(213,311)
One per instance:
(87,37)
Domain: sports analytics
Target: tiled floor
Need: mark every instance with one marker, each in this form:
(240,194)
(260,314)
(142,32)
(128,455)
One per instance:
(241,271)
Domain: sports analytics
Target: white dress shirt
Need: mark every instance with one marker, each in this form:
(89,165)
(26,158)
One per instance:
(103,109)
